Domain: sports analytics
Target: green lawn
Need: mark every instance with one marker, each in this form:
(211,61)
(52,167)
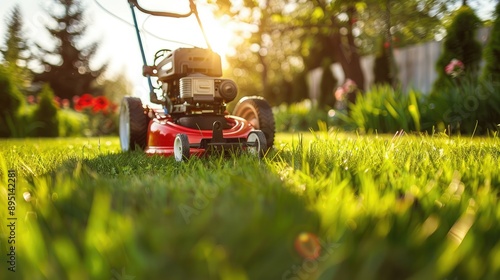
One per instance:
(374,207)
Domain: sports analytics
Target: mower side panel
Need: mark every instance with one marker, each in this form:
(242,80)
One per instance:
(162,132)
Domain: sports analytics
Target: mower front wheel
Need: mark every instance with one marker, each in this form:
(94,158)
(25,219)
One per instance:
(257,143)
(133,124)
(257,111)
(181,147)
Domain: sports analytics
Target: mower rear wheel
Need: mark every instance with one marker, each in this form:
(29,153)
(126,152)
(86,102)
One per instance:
(133,124)
(258,112)
(257,143)
(181,147)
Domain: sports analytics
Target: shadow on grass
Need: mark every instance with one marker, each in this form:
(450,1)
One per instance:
(201,219)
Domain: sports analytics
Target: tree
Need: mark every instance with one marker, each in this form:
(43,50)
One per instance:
(46,113)
(381,66)
(306,34)
(264,62)
(492,51)
(345,30)
(16,51)
(461,44)
(300,88)
(327,86)
(67,65)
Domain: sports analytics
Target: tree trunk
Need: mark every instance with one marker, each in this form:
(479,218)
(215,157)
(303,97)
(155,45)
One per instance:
(393,75)
(346,53)
(265,69)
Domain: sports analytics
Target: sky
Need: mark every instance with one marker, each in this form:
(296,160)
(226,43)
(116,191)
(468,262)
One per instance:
(117,38)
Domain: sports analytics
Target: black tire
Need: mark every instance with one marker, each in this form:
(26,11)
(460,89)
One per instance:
(181,147)
(258,112)
(133,124)
(257,143)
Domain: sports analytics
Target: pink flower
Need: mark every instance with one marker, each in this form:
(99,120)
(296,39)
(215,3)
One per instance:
(31,99)
(339,94)
(65,103)
(349,86)
(455,68)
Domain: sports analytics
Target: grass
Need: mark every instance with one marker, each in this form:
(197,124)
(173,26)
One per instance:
(381,207)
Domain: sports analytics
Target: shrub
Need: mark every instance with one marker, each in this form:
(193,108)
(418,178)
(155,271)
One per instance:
(72,123)
(46,113)
(383,109)
(11,100)
(302,116)
(25,124)
(466,105)
(461,44)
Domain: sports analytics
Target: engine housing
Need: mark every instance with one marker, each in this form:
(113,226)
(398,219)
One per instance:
(203,89)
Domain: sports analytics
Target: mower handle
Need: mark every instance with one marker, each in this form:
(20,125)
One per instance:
(165,14)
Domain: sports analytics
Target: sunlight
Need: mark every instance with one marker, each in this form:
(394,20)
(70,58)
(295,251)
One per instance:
(220,35)
(158,32)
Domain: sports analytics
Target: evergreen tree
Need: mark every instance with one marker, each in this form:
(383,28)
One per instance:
(15,46)
(16,52)
(46,114)
(492,51)
(71,75)
(460,43)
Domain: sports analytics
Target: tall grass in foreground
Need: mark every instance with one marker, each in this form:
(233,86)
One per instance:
(405,207)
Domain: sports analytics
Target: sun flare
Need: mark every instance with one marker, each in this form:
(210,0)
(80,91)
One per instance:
(220,35)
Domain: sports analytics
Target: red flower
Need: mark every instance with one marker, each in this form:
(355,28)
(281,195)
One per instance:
(85,101)
(100,103)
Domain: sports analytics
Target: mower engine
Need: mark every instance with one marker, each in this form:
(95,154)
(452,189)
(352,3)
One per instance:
(191,82)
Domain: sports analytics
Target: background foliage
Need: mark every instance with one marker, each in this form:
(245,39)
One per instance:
(384,109)
(287,39)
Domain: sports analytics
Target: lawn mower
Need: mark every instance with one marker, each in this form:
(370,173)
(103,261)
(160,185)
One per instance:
(193,120)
